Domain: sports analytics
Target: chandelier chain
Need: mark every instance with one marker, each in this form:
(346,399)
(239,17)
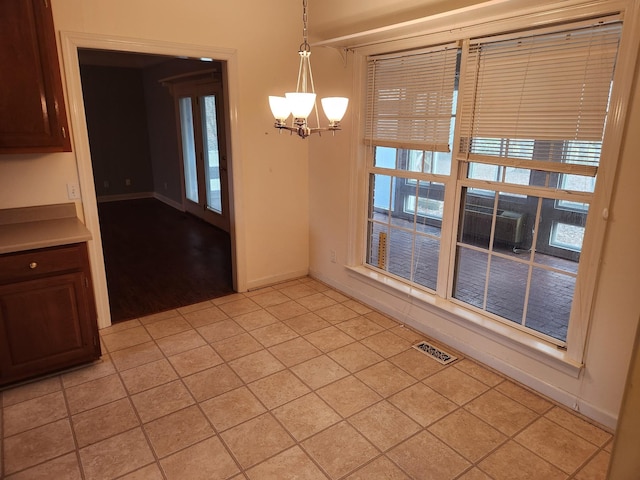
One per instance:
(305,44)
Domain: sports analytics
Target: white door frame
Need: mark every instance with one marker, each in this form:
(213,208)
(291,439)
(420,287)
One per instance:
(70,43)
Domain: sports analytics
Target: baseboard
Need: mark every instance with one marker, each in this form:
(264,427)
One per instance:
(275,279)
(124,196)
(140,195)
(168,201)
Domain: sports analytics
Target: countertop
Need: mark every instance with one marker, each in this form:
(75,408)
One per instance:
(42,226)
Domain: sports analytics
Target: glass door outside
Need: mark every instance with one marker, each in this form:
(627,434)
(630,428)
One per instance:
(204,154)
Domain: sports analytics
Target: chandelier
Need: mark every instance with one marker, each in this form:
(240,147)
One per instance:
(301,103)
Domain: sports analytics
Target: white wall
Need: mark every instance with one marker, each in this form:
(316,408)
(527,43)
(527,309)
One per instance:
(598,390)
(271,202)
(625,462)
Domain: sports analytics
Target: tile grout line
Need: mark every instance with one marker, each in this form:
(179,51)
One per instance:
(73,430)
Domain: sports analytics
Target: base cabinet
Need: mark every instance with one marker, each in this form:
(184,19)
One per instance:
(47,312)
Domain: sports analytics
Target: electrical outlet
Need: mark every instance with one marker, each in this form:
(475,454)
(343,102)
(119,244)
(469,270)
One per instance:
(106,184)
(127,182)
(73,191)
(332,256)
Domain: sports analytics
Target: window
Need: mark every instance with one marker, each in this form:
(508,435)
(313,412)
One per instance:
(528,112)
(411,103)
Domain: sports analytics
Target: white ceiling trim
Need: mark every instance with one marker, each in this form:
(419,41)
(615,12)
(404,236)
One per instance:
(482,19)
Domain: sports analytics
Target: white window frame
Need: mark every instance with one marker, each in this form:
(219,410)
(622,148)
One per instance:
(490,19)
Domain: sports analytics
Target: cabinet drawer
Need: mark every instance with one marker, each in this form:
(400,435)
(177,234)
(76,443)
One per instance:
(35,263)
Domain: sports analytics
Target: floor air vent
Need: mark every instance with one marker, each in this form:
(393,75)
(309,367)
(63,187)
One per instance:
(437,354)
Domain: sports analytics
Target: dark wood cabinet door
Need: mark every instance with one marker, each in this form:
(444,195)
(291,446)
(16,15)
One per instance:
(32,110)
(44,326)
(48,318)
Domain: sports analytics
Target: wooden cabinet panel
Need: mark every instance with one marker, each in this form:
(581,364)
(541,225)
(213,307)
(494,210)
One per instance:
(35,263)
(32,110)
(48,321)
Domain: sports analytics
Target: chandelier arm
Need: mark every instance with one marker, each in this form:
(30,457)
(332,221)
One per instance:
(300,75)
(313,89)
(303,131)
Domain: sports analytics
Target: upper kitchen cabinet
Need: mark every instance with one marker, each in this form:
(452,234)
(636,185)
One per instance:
(32,111)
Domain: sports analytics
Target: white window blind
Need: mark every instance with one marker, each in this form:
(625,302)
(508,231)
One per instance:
(410,98)
(552,87)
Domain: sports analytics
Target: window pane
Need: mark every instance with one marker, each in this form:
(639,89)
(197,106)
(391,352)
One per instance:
(442,163)
(507,288)
(188,150)
(508,220)
(385,157)
(562,233)
(550,301)
(425,263)
(400,253)
(420,161)
(567,236)
(429,202)
(376,251)
(401,188)
(380,203)
(583,152)
(496,173)
(517,176)
(569,265)
(578,183)
(212,154)
(482,171)
(470,276)
(519,148)
(426,207)
(475,222)
(503,147)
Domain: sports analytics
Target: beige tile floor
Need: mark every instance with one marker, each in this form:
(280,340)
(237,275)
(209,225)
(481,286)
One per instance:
(295,381)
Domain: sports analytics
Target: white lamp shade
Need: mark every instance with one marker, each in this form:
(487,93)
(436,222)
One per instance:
(279,107)
(301,104)
(335,107)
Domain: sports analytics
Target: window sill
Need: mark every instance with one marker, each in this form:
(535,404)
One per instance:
(530,345)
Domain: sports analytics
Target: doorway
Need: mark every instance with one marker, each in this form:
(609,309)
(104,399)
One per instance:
(71,44)
(156,259)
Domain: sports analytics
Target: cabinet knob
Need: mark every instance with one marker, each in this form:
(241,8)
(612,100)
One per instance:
(33,265)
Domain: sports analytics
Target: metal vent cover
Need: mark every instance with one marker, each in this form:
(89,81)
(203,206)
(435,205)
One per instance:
(435,353)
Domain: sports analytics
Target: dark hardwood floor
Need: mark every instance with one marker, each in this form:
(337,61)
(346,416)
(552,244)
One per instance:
(158,258)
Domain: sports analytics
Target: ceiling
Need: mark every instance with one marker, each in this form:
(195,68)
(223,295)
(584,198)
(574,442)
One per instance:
(334,18)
